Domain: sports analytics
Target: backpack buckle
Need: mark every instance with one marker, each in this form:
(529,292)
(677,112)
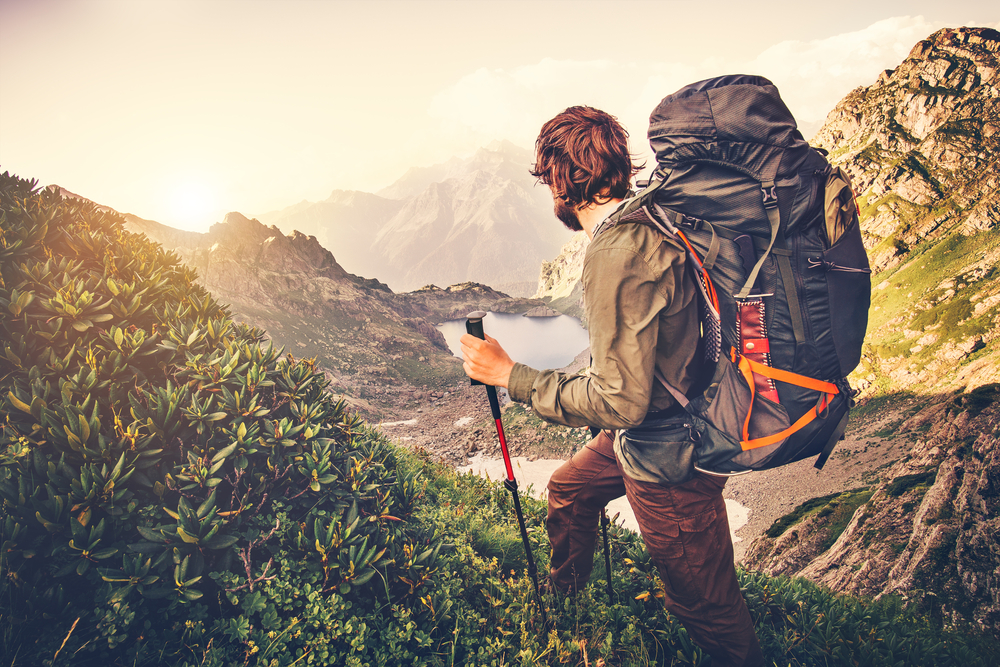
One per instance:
(694,224)
(770,195)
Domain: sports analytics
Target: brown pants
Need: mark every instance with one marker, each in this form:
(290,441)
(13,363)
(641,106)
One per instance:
(686,532)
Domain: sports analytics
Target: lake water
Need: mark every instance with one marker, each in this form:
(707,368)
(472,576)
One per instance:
(539,342)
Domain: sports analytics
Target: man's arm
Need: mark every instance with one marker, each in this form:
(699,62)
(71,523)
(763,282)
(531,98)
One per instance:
(625,295)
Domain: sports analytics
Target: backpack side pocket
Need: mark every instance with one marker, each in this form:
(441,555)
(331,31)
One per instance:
(662,452)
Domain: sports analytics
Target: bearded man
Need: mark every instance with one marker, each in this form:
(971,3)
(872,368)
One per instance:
(642,308)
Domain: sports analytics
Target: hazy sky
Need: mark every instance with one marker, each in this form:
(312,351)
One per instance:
(180,111)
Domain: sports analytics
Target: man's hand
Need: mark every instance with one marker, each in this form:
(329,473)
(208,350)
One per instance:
(486,361)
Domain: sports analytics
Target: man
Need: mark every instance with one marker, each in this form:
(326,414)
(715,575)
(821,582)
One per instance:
(642,311)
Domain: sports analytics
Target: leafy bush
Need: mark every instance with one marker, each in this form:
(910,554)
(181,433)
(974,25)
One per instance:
(145,437)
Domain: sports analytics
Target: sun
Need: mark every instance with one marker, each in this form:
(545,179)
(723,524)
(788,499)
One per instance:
(192,205)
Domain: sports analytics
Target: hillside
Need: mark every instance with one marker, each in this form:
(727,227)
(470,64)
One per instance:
(173,491)
(922,146)
(381,349)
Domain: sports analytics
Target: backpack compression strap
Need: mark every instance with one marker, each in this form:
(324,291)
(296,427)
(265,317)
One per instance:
(770,193)
(748,368)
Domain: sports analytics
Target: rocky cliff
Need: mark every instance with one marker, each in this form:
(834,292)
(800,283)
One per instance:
(925,530)
(559,279)
(922,146)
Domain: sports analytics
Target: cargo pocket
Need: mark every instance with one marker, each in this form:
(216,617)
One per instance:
(848,281)
(681,549)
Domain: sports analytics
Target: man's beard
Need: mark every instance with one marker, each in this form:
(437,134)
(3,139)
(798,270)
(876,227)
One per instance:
(568,216)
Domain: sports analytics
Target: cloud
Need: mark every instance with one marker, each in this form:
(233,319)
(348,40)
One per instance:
(513,103)
(812,75)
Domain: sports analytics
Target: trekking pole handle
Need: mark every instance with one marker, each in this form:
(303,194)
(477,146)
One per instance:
(474,326)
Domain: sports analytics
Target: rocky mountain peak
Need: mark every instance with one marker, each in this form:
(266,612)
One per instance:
(921,143)
(971,39)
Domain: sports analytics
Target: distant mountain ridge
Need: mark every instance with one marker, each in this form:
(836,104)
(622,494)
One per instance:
(480,219)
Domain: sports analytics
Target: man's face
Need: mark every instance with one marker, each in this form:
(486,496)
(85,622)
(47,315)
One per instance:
(567,214)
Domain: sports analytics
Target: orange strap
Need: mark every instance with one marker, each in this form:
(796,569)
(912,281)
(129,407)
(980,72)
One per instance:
(748,368)
(709,285)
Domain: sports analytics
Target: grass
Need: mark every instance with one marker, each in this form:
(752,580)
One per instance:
(920,481)
(841,510)
(840,505)
(878,405)
(978,399)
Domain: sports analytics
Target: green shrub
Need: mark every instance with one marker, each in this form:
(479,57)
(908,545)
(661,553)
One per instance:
(920,481)
(143,438)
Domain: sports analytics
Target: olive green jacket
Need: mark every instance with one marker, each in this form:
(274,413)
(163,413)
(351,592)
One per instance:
(642,311)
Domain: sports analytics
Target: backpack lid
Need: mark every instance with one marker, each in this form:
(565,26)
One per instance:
(738,120)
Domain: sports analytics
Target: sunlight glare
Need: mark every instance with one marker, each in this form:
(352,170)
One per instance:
(192,205)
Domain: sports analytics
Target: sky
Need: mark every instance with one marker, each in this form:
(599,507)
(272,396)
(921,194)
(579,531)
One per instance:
(181,111)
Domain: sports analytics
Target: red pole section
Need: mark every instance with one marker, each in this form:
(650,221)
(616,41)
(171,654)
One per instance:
(503,448)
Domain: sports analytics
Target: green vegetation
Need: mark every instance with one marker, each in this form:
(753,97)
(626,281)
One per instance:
(840,507)
(840,512)
(919,482)
(925,294)
(978,399)
(929,265)
(174,492)
(876,405)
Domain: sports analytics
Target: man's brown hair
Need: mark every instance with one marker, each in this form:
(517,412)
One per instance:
(582,154)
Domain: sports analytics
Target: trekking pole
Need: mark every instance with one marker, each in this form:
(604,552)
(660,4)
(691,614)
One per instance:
(474,325)
(594,432)
(607,550)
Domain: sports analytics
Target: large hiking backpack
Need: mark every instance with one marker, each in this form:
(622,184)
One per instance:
(772,234)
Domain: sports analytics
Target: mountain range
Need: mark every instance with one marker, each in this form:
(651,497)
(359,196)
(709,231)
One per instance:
(479,219)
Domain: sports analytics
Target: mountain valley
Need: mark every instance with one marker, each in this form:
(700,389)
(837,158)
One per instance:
(480,219)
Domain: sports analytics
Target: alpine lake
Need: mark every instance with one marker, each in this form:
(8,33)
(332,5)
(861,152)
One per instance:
(539,342)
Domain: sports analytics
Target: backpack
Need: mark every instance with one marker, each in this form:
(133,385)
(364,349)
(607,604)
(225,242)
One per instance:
(772,234)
